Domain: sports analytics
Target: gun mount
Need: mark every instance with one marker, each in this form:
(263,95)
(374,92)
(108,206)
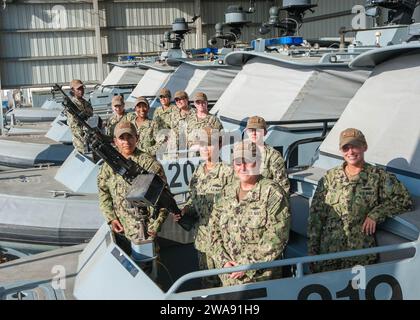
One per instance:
(177,35)
(147,189)
(235,19)
(290,25)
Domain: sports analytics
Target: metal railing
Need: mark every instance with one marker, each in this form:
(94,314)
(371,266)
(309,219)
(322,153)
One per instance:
(292,148)
(298,262)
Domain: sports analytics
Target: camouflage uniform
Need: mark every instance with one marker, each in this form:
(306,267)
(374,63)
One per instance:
(194,123)
(163,117)
(256,229)
(113,189)
(76,130)
(178,135)
(147,136)
(340,206)
(114,120)
(204,186)
(274,168)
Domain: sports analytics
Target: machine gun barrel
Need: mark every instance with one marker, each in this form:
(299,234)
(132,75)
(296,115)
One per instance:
(99,142)
(146,188)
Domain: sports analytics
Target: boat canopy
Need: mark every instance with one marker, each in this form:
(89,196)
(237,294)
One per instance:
(278,90)
(25,154)
(51,104)
(33,114)
(123,76)
(211,79)
(150,84)
(386,109)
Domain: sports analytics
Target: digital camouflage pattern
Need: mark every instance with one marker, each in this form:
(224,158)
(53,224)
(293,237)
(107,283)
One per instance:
(77,131)
(112,192)
(178,119)
(274,168)
(114,120)
(205,262)
(147,132)
(340,206)
(204,187)
(178,135)
(163,117)
(256,229)
(194,124)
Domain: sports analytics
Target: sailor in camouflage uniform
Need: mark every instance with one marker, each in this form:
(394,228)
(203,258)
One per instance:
(118,115)
(146,128)
(207,181)
(272,166)
(77,90)
(349,202)
(250,221)
(162,114)
(178,123)
(201,118)
(119,213)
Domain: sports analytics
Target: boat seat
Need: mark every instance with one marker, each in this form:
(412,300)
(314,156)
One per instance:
(297,244)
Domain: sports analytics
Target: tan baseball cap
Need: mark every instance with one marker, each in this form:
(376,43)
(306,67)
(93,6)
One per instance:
(352,136)
(76,83)
(256,122)
(165,92)
(246,150)
(125,127)
(141,100)
(200,96)
(181,95)
(117,100)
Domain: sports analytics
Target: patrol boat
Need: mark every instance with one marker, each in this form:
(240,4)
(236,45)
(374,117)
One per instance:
(384,109)
(122,79)
(73,214)
(38,136)
(178,69)
(306,87)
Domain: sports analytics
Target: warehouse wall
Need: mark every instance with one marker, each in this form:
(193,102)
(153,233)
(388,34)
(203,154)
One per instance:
(43,41)
(48,41)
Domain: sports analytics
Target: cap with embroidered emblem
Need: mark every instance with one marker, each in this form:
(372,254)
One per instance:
(141,100)
(256,122)
(117,100)
(164,92)
(352,136)
(125,127)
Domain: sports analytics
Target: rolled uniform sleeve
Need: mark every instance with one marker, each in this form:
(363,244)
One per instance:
(393,199)
(317,215)
(156,140)
(155,224)
(189,207)
(105,197)
(217,124)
